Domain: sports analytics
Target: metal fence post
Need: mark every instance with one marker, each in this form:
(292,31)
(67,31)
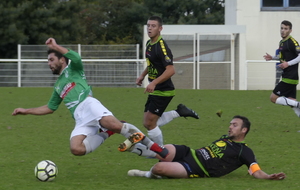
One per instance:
(19,65)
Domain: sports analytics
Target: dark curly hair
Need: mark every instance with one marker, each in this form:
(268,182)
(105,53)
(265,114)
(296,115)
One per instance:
(58,54)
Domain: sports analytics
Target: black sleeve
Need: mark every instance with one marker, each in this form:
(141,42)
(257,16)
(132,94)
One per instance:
(247,156)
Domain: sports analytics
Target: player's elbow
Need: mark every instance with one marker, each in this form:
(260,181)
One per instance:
(47,112)
(172,73)
(170,70)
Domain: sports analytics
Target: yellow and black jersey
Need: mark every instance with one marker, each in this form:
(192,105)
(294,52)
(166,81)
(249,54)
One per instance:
(158,56)
(224,156)
(289,50)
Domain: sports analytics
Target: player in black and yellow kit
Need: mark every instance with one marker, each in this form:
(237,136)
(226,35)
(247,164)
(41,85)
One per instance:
(221,157)
(289,55)
(161,89)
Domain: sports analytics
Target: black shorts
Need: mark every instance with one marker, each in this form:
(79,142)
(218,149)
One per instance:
(157,104)
(286,90)
(185,158)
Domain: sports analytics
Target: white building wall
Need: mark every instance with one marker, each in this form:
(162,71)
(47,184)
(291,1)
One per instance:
(262,35)
(190,30)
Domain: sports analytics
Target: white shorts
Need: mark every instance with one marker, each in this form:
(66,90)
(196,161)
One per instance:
(87,116)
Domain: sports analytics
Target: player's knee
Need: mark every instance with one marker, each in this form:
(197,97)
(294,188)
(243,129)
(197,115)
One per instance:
(273,100)
(149,125)
(77,146)
(158,169)
(77,151)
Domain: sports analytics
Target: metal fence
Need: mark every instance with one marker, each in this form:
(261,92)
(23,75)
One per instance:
(105,65)
(207,64)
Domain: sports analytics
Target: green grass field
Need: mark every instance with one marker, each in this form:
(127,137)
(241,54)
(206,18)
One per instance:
(26,140)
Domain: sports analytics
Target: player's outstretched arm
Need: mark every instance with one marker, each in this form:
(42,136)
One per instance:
(43,110)
(51,43)
(268,57)
(262,175)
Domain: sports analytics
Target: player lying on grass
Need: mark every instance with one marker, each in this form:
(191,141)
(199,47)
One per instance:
(217,159)
(90,115)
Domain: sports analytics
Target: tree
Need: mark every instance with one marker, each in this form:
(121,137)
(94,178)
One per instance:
(188,11)
(11,32)
(114,21)
(121,22)
(32,22)
(95,21)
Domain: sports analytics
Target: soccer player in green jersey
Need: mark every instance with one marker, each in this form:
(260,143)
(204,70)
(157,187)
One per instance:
(90,115)
(161,89)
(289,55)
(219,158)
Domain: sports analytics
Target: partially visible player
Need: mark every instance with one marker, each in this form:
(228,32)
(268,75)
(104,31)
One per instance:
(278,69)
(289,55)
(90,114)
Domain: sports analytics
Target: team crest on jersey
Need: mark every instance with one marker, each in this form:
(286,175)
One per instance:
(57,88)
(167,58)
(66,74)
(298,49)
(221,143)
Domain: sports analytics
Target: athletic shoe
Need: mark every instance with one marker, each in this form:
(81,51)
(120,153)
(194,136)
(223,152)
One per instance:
(138,173)
(184,111)
(132,140)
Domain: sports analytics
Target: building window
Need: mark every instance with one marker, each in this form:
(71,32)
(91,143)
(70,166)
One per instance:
(280,5)
(272,3)
(294,3)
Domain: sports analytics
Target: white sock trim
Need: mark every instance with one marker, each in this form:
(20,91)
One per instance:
(91,142)
(128,129)
(87,145)
(154,132)
(166,117)
(156,135)
(286,101)
(151,175)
